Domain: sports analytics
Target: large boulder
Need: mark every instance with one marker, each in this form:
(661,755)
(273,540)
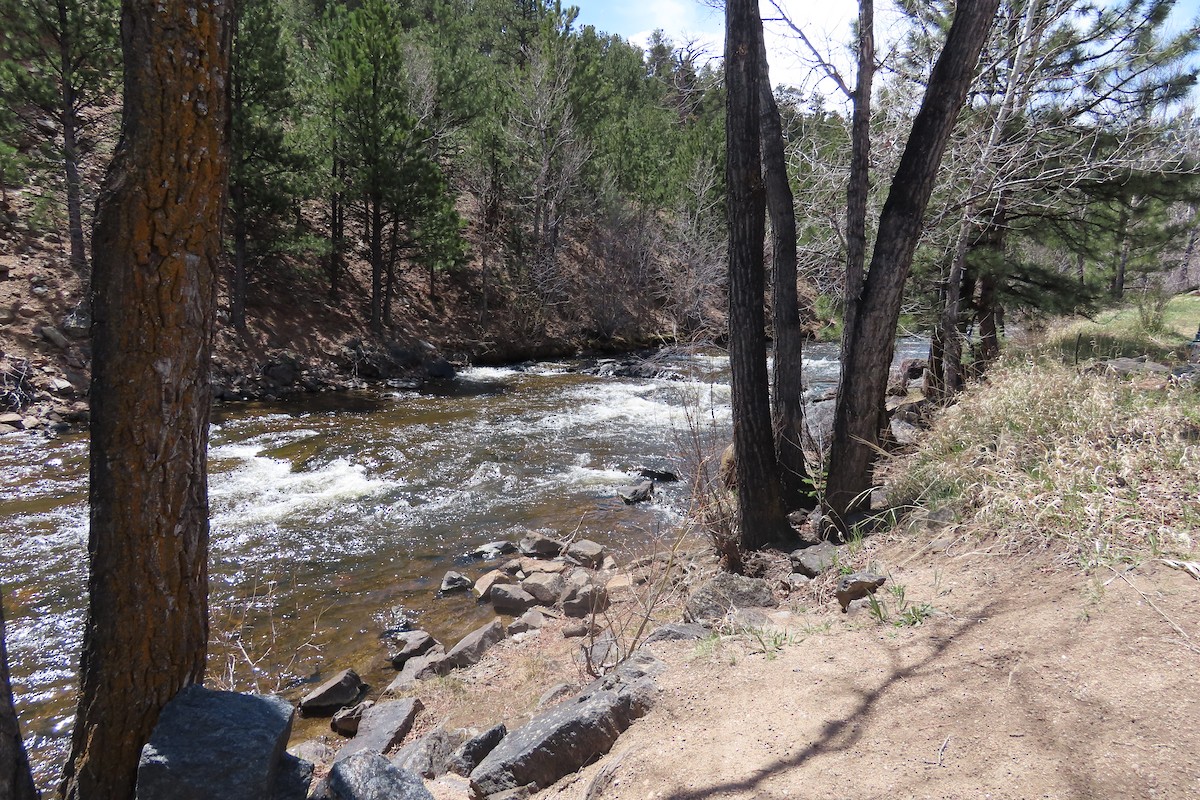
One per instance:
(216,744)
(511,599)
(637,493)
(346,721)
(430,755)
(539,545)
(585,600)
(493,550)
(468,754)
(560,740)
(587,553)
(343,689)
(383,726)
(471,647)
(369,776)
(545,587)
(724,593)
(812,561)
(418,668)
(489,581)
(455,582)
(409,644)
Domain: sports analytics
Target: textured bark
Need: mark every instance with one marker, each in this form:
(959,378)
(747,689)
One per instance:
(760,505)
(16,782)
(787,402)
(157,247)
(870,341)
(859,185)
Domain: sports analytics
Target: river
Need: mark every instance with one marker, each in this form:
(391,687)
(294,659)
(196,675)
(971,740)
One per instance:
(335,516)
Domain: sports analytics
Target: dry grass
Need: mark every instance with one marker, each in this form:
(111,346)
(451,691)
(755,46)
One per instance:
(1045,456)
(1123,331)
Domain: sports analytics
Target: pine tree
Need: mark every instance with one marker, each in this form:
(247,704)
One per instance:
(61,67)
(264,164)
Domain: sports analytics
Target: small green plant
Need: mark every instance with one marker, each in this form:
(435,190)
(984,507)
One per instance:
(902,613)
(914,615)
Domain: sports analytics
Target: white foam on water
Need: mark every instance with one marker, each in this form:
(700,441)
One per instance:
(266,490)
(583,476)
(487,373)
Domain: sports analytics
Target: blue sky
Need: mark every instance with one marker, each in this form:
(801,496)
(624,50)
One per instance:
(825,21)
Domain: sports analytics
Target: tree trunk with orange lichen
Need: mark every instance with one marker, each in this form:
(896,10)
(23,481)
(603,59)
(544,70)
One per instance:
(156,248)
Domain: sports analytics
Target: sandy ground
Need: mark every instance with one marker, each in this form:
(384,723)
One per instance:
(1029,680)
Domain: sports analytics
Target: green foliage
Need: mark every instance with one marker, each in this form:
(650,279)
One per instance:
(61,58)
(265,164)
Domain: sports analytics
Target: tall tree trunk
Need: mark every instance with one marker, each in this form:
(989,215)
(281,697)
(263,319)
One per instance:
(16,781)
(337,226)
(375,240)
(870,341)
(989,319)
(156,256)
(760,504)
(237,293)
(78,252)
(859,185)
(1122,262)
(787,401)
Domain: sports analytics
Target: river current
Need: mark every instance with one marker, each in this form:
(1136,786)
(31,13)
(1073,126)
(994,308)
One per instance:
(334,517)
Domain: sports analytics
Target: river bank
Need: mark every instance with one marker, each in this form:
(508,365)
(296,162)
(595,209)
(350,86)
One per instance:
(1035,637)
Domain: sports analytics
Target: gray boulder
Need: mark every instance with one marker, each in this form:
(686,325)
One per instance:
(383,726)
(560,740)
(293,779)
(429,755)
(545,587)
(812,561)
(638,493)
(540,545)
(468,754)
(346,721)
(341,690)
(471,647)
(587,553)
(724,593)
(409,645)
(369,776)
(531,620)
(489,581)
(418,668)
(585,600)
(493,550)
(455,582)
(215,744)
(678,632)
(511,599)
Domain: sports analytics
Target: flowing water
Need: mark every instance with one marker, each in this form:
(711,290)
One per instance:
(335,516)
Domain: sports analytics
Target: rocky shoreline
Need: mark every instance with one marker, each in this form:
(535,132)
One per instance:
(386,744)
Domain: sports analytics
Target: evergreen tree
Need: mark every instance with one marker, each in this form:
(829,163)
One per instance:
(385,166)
(61,66)
(264,164)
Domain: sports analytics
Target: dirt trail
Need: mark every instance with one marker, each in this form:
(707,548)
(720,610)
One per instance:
(1028,681)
